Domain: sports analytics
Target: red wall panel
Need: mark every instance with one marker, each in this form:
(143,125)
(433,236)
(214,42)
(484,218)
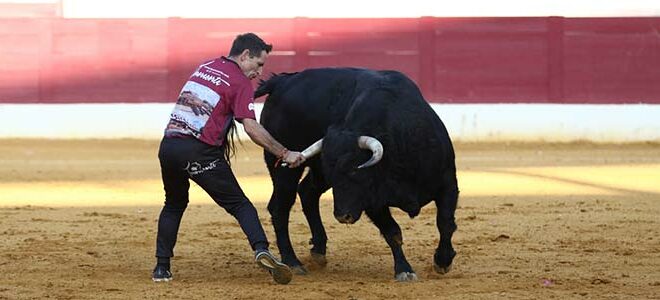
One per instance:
(456,60)
(612,59)
(492,60)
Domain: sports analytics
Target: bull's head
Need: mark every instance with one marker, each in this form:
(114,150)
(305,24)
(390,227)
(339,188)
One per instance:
(346,161)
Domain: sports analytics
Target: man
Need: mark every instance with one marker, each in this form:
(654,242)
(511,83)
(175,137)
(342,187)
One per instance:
(198,144)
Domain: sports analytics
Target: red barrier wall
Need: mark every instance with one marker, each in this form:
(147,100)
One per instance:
(455,60)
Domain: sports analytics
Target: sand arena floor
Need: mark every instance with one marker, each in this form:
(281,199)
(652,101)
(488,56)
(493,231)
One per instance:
(535,221)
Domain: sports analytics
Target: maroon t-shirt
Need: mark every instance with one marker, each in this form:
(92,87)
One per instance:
(216,93)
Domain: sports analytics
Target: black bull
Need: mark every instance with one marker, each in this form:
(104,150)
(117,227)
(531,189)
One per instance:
(383,146)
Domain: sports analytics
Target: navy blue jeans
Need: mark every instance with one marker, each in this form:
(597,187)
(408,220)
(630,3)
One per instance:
(182,159)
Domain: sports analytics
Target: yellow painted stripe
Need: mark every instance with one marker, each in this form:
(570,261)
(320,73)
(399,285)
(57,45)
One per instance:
(555,181)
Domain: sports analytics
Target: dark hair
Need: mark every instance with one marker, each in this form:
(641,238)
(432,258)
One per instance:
(229,149)
(251,42)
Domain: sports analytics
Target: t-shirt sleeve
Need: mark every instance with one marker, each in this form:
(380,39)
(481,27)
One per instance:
(244,103)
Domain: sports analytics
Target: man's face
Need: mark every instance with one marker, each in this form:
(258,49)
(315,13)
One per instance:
(253,66)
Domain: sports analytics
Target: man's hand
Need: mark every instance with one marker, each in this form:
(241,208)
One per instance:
(293,159)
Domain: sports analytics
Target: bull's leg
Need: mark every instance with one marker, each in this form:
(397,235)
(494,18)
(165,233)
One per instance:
(392,234)
(285,183)
(446,206)
(310,190)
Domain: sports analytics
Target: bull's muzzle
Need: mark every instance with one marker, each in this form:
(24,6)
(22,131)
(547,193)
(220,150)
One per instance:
(345,219)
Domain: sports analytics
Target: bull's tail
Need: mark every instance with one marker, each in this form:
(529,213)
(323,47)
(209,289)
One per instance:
(266,87)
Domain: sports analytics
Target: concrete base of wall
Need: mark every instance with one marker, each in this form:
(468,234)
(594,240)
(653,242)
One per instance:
(465,122)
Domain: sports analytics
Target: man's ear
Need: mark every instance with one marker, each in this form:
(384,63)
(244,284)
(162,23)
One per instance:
(244,55)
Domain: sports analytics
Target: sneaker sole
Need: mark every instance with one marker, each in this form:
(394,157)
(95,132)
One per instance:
(280,272)
(161,279)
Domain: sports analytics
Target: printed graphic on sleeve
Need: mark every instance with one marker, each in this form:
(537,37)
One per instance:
(192,109)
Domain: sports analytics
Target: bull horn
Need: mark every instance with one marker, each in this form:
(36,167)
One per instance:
(312,150)
(367,142)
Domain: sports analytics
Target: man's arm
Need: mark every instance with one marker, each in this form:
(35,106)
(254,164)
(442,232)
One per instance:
(261,137)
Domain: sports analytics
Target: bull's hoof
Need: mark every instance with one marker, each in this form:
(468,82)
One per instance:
(318,259)
(441,270)
(298,270)
(406,277)
(442,260)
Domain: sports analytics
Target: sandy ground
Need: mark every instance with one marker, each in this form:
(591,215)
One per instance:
(536,221)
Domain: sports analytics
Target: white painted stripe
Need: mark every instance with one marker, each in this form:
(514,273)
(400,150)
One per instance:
(119,120)
(551,122)
(465,122)
(358,9)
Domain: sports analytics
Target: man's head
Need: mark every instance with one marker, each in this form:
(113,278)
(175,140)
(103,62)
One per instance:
(250,53)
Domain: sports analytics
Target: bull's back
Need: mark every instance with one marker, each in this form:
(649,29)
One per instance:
(300,106)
